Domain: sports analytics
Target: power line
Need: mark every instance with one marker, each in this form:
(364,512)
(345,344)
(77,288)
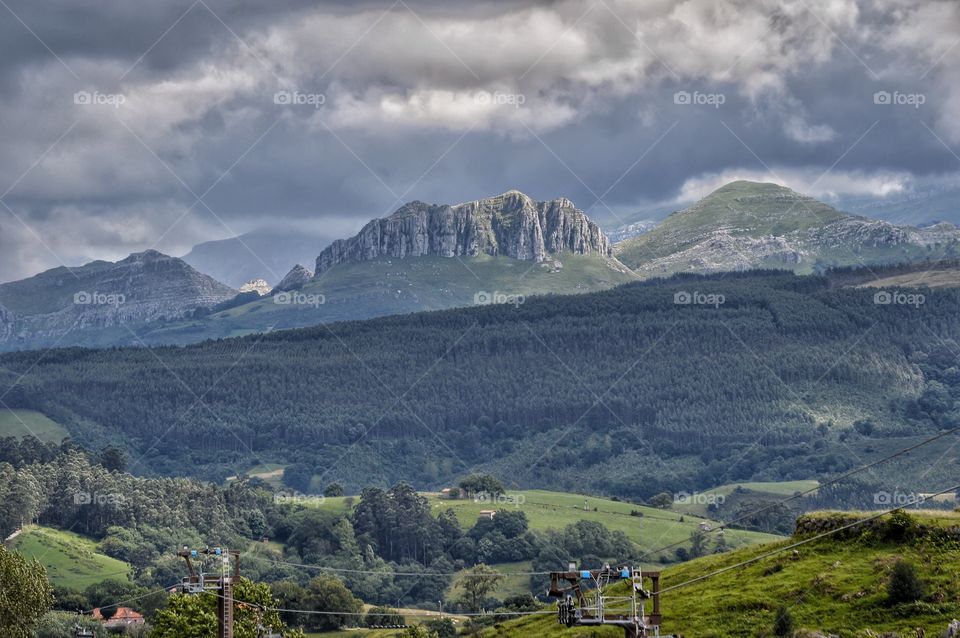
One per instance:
(130,600)
(427,614)
(797,544)
(421,614)
(342,570)
(819,486)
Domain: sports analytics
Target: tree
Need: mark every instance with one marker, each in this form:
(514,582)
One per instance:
(442,627)
(481,484)
(477,585)
(328,593)
(904,586)
(663,500)
(195,616)
(113,459)
(333,490)
(783,625)
(698,544)
(383,617)
(25,594)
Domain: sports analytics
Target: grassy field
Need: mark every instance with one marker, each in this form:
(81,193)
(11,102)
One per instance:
(71,560)
(412,617)
(546,510)
(835,586)
(20,423)
(270,473)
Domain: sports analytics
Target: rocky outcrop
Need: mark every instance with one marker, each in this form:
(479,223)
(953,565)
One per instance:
(629,231)
(259,286)
(67,306)
(296,279)
(511,225)
(6,324)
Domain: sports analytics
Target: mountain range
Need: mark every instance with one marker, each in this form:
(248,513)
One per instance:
(434,256)
(101,302)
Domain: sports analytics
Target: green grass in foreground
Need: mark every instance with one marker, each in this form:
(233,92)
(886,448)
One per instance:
(835,586)
(71,560)
(20,423)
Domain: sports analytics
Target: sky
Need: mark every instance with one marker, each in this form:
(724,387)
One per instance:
(128,126)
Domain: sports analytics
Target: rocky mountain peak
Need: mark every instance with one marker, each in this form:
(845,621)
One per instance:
(511,224)
(149,255)
(259,286)
(295,279)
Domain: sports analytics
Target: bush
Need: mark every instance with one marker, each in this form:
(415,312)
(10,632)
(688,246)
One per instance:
(383,617)
(783,624)
(442,627)
(904,586)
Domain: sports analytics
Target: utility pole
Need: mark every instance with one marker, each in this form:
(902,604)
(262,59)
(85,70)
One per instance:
(221,586)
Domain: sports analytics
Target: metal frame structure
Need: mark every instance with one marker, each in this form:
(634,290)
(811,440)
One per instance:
(576,609)
(221,585)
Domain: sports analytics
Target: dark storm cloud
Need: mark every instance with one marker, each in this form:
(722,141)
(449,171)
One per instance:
(446,101)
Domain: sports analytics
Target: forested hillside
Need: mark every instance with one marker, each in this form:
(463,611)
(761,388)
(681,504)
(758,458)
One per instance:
(105,535)
(763,376)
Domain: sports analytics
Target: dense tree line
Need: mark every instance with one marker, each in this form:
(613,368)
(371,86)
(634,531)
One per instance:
(588,386)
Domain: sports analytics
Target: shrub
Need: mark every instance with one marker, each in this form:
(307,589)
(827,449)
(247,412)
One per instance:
(904,586)
(783,624)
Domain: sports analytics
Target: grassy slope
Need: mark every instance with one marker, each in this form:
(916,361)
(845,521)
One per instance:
(934,278)
(71,560)
(759,210)
(836,586)
(393,286)
(271,473)
(546,510)
(20,423)
(733,206)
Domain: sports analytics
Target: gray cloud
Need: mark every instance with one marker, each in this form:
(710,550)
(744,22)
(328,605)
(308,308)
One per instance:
(447,101)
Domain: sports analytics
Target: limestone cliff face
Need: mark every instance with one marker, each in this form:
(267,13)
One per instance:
(295,279)
(511,225)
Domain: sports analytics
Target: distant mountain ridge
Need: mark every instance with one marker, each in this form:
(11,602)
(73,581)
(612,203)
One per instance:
(103,297)
(745,225)
(511,225)
(437,256)
(257,255)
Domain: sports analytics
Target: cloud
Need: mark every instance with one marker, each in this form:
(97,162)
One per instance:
(447,102)
(812,181)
